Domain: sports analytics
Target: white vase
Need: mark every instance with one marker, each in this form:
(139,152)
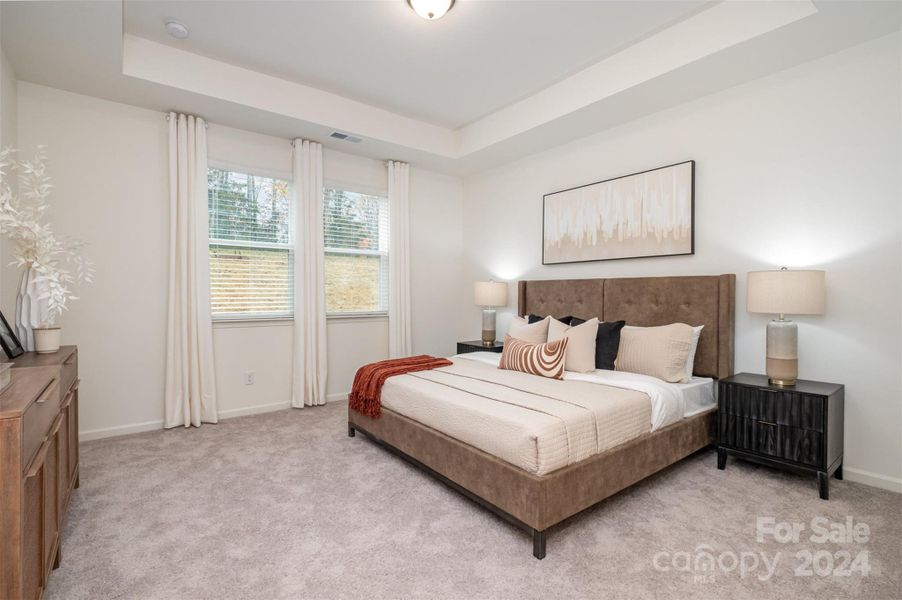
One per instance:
(31,308)
(46,339)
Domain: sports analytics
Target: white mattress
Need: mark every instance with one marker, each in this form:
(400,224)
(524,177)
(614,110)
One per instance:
(698,395)
(535,423)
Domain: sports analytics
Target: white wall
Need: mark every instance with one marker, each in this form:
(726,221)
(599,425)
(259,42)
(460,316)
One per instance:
(110,170)
(109,166)
(8,103)
(799,169)
(8,125)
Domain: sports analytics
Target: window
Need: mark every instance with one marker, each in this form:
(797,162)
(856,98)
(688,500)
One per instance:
(356,261)
(251,246)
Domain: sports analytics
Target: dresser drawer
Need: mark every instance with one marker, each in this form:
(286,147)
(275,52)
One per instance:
(771,439)
(37,420)
(783,407)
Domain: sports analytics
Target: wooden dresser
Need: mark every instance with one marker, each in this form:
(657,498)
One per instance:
(38,467)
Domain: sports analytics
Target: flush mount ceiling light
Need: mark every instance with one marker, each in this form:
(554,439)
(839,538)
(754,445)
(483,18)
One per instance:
(176,29)
(430,9)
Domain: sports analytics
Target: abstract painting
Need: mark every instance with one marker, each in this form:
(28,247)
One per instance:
(644,214)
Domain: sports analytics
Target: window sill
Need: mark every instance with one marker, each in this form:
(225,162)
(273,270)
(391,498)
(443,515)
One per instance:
(351,317)
(238,323)
(253,322)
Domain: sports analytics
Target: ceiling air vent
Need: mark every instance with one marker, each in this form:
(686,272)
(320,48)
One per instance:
(345,137)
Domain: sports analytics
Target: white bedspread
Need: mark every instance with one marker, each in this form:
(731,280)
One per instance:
(535,423)
(667,399)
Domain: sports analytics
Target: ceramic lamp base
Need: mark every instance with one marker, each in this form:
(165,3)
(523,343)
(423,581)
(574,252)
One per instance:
(488,327)
(782,352)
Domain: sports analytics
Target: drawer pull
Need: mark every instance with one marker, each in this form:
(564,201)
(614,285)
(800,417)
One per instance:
(768,423)
(38,461)
(55,428)
(46,393)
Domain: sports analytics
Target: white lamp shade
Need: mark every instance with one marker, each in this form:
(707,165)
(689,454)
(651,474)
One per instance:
(490,293)
(786,292)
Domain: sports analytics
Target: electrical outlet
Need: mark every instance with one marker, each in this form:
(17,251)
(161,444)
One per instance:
(250,378)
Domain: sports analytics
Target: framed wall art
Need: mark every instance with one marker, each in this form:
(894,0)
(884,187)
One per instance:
(645,214)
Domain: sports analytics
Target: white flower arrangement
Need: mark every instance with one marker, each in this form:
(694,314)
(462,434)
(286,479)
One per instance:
(55,260)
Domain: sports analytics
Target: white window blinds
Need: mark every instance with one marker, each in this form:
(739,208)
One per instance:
(356,252)
(251,246)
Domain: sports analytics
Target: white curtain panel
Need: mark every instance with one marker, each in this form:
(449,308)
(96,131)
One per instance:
(190,392)
(308,387)
(399,338)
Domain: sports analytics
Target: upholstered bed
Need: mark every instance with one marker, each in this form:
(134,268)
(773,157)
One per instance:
(537,451)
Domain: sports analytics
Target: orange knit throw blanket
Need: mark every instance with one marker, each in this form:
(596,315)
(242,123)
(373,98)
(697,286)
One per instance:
(366,393)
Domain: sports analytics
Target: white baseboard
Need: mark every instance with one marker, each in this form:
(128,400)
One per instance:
(337,397)
(108,432)
(893,484)
(252,410)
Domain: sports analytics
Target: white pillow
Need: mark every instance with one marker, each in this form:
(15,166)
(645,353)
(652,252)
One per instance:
(690,359)
(537,333)
(579,356)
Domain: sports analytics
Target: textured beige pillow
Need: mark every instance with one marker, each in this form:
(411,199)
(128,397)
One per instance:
(580,346)
(657,351)
(537,333)
(544,360)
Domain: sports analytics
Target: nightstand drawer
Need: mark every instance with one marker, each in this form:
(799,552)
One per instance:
(772,439)
(782,407)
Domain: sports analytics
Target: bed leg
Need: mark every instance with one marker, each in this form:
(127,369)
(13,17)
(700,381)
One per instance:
(351,431)
(538,544)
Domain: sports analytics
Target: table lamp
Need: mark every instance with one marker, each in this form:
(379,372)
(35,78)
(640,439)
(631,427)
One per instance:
(780,293)
(489,294)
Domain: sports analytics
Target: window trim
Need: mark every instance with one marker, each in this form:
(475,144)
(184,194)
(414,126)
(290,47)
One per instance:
(262,319)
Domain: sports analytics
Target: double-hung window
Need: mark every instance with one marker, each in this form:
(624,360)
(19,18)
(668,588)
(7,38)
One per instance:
(251,246)
(356,231)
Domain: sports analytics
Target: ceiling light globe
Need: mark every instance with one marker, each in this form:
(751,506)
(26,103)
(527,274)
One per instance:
(431,9)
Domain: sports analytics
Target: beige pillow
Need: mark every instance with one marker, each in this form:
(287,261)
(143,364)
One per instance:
(580,346)
(657,351)
(537,333)
(544,360)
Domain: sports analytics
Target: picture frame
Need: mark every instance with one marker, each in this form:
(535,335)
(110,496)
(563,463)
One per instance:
(8,340)
(641,215)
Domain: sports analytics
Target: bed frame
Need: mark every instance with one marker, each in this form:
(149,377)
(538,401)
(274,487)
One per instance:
(537,502)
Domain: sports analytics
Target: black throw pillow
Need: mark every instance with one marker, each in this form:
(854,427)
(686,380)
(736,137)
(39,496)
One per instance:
(607,342)
(536,318)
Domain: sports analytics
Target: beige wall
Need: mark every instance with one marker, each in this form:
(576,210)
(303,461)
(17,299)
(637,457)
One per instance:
(109,166)
(798,169)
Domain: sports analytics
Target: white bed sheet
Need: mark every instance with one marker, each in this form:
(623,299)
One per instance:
(670,401)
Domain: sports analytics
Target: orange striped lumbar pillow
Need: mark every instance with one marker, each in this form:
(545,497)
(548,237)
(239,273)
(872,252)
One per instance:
(544,360)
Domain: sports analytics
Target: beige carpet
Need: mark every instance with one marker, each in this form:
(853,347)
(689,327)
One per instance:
(285,505)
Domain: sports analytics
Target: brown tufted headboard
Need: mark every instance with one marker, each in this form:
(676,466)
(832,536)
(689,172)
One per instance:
(707,300)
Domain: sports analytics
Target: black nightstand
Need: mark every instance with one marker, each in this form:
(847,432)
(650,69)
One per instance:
(476,346)
(796,427)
